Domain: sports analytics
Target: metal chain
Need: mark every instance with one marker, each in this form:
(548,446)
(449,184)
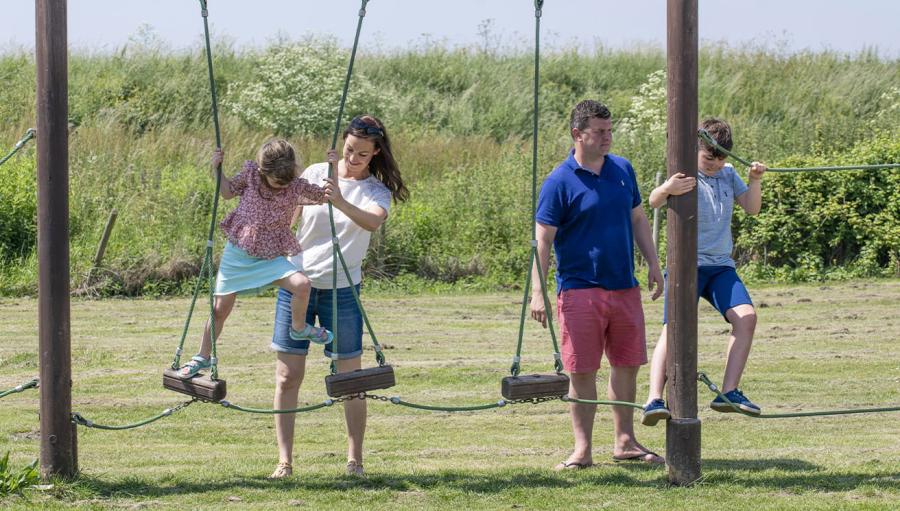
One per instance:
(271,411)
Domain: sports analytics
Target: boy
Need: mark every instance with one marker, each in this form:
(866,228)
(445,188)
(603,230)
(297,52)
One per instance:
(719,189)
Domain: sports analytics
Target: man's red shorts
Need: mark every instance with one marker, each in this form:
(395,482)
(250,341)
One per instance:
(594,321)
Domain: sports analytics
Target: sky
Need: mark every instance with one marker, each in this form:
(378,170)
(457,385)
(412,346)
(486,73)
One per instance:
(783,25)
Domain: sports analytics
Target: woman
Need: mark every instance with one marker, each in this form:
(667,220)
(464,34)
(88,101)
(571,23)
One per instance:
(367,179)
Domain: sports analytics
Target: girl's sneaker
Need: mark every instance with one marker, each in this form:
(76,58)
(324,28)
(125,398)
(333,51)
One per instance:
(654,412)
(738,399)
(316,334)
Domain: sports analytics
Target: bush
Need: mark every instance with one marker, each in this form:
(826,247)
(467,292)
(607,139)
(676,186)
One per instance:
(296,88)
(819,221)
(18,223)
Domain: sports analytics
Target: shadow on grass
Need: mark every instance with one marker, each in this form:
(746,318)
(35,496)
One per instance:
(783,474)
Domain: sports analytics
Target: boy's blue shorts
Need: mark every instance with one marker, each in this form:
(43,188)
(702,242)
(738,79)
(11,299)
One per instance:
(720,286)
(349,334)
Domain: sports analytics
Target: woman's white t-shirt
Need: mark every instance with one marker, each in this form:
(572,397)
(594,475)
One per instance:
(314,233)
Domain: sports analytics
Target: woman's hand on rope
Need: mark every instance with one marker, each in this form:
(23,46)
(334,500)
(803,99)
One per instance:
(757,170)
(333,192)
(538,310)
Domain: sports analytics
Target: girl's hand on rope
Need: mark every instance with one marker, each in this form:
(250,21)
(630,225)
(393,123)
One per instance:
(679,184)
(538,312)
(331,156)
(333,192)
(757,170)
(217,158)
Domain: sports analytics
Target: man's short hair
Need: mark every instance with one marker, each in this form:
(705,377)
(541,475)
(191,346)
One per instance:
(720,131)
(587,110)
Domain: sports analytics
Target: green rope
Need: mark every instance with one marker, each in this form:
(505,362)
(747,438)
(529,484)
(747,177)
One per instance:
(207,265)
(176,363)
(336,248)
(379,356)
(81,421)
(214,370)
(32,384)
(232,406)
(715,389)
(705,136)
(533,260)
(28,136)
(601,402)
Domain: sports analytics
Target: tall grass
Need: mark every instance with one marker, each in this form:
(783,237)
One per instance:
(461,120)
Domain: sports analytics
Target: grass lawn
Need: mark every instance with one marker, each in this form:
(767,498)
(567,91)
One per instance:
(817,347)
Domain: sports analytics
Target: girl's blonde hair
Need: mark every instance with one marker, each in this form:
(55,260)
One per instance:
(278,160)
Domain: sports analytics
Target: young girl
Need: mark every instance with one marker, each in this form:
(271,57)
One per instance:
(259,241)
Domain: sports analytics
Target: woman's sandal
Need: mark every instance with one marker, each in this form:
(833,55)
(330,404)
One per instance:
(194,366)
(355,468)
(316,334)
(282,470)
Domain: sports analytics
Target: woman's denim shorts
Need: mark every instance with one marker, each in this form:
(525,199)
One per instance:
(349,334)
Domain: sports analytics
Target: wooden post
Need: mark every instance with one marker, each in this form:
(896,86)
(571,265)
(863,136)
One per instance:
(101,249)
(683,430)
(57,434)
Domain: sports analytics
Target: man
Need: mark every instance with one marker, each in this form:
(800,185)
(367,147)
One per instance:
(590,211)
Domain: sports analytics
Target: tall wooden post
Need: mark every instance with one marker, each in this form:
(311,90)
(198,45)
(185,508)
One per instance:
(58,435)
(683,430)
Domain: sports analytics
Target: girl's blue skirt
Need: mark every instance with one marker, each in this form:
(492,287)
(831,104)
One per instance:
(240,272)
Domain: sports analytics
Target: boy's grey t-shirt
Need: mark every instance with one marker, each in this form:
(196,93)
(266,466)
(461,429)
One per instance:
(715,205)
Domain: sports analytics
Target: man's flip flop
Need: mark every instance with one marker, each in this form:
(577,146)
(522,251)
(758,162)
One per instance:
(641,458)
(572,465)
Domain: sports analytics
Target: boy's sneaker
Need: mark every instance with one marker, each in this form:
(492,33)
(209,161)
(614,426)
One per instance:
(654,412)
(737,397)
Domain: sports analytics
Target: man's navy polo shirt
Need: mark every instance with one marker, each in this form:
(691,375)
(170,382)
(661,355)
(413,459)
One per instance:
(592,214)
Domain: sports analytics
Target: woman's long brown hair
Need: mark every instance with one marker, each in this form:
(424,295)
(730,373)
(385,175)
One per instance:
(383,165)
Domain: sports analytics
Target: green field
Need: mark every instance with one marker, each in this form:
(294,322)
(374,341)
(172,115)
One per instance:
(817,347)
(461,124)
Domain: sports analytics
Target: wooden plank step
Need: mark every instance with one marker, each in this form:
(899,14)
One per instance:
(201,387)
(534,386)
(360,380)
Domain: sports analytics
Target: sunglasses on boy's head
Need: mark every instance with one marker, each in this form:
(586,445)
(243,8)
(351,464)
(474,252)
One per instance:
(368,129)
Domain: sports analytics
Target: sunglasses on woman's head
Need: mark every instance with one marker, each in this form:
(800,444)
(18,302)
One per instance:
(368,129)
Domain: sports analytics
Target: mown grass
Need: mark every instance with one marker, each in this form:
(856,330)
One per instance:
(817,347)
